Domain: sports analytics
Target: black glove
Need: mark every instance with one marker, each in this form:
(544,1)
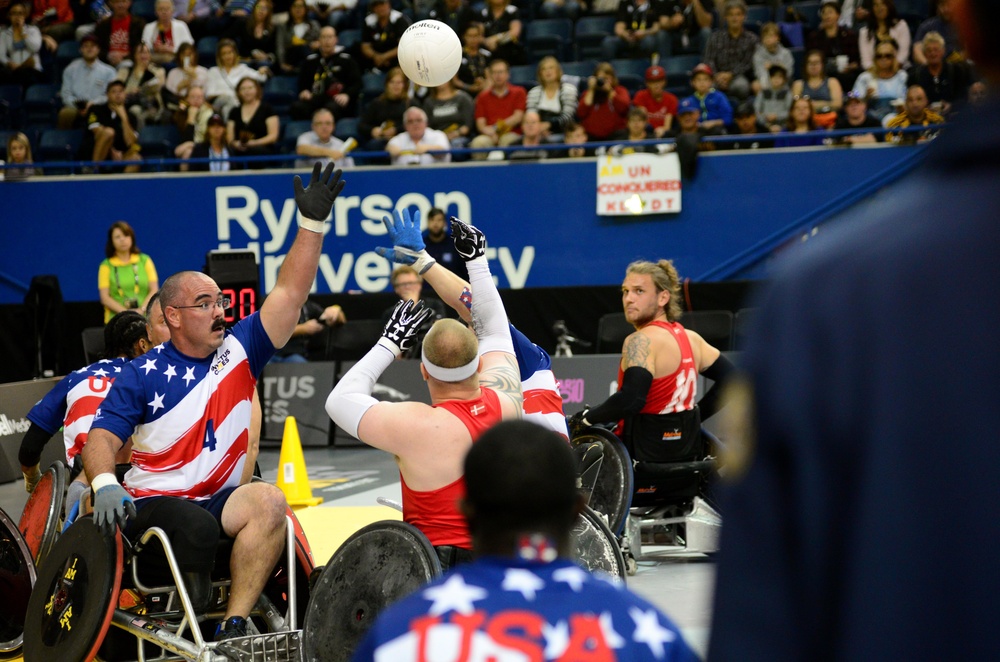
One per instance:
(405,323)
(316,200)
(112,507)
(470,243)
(578,422)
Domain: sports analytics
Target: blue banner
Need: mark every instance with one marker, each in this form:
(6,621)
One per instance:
(539,218)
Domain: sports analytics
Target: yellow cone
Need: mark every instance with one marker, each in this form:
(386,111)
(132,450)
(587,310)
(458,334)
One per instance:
(292,477)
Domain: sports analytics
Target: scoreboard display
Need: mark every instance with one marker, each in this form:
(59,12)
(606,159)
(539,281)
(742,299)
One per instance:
(238,276)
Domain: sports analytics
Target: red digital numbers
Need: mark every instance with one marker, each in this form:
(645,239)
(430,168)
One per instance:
(242,304)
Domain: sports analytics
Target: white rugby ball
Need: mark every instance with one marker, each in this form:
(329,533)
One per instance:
(429,53)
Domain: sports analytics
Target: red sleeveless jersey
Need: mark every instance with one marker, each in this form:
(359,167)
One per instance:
(677,391)
(435,512)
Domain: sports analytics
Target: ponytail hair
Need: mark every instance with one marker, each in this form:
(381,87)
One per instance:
(666,278)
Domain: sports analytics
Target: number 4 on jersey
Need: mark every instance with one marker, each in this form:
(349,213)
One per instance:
(209,442)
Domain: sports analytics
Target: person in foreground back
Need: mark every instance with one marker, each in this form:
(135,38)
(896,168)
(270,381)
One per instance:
(522,598)
(863,525)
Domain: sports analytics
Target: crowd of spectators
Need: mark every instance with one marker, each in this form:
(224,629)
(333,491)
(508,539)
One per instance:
(901,69)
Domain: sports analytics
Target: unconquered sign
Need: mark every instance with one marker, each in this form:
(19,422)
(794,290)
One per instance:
(638,184)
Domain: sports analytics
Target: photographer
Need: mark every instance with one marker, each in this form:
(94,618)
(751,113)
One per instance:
(127,278)
(604,106)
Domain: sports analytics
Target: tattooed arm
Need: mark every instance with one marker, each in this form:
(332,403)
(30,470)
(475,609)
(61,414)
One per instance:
(638,364)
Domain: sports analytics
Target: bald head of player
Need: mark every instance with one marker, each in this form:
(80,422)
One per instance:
(193,312)
(450,356)
(159,332)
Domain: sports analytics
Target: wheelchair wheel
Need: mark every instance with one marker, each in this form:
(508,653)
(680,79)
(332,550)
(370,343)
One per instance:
(595,547)
(70,610)
(41,519)
(376,566)
(613,492)
(17,576)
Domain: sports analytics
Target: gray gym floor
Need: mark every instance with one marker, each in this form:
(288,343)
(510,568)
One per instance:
(355,476)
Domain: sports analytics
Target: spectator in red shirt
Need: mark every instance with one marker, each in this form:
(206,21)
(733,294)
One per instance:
(119,34)
(54,18)
(660,105)
(604,105)
(499,110)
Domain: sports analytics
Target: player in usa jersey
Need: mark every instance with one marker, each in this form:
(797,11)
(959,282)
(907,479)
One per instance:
(187,405)
(658,375)
(522,598)
(72,403)
(473,382)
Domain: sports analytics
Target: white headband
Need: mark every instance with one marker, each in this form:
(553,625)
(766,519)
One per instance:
(449,374)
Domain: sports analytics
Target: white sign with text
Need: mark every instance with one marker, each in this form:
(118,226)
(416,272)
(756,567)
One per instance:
(637,184)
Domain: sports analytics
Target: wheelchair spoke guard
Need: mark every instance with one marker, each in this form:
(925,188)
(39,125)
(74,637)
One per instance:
(70,610)
(375,567)
(41,519)
(595,547)
(613,491)
(17,577)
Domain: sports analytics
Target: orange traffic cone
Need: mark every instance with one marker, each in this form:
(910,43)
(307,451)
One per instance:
(292,477)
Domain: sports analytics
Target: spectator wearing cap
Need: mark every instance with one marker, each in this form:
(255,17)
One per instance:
(111,133)
(837,43)
(745,123)
(380,35)
(689,132)
(770,52)
(635,33)
(685,26)
(192,120)
(772,102)
(84,83)
(215,148)
(660,105)
(730,52)
(855,116)
(321,146)
(716,111)
(120,33)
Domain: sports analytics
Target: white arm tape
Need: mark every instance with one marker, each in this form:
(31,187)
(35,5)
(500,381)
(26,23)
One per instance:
(103,480)
(312,225)
(351,397)
(490,318)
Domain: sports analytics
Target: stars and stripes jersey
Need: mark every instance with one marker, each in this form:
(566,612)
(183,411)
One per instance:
(678,390)
(191,417)
(73,401)
(435,512)
(543,403)
(504,610)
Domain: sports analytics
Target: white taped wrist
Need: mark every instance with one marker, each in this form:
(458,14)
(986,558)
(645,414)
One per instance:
(389,345)
(422,261)
(312,225)
(103,480)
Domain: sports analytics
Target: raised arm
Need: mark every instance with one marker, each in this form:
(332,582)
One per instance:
(280,312)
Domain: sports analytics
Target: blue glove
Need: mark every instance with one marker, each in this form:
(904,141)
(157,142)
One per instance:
(112,507)
(407,242)
(470,242)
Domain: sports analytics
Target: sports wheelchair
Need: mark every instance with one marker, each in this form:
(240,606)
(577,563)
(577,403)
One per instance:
(389,559)
(666,502)
(112,599)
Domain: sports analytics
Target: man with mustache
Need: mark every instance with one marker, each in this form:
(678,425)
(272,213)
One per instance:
(187,405)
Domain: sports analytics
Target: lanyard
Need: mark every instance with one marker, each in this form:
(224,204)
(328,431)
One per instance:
(135,275)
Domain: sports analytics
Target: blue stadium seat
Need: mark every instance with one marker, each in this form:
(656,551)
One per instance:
(144,9)
(799,56)
(809,12)
(631,73)
(348,39)
(159,141)
(291,132)
(66,53)
(10,108)
(372,84)
(347,128)
(280,92)
(548,36)
(680,66)
(590,33)
(920,8)
(758,15)
(59,144)
(524,75)
(41,103)
(206,51)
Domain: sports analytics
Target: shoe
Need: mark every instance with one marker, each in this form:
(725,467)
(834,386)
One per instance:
(232,627)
